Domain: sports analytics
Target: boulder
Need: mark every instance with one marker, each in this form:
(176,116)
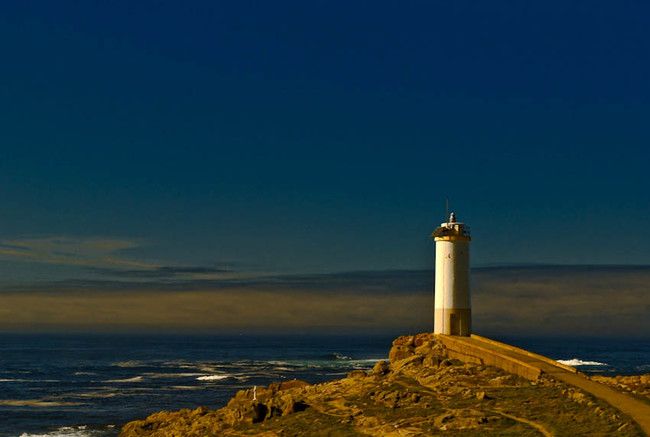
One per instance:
(420,339)
(357,374)
(404,340)
(286,385)
(400,352)
(381,368)
(412,361)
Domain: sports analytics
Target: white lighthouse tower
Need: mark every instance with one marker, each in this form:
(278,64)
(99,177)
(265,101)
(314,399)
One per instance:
(452,310)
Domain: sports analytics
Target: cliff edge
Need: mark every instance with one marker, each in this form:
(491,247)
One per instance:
(421,392)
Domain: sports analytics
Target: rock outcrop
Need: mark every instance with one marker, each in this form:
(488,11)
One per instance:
(421,392)
(638,385)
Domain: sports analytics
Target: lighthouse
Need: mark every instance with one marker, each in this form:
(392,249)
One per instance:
(452,310)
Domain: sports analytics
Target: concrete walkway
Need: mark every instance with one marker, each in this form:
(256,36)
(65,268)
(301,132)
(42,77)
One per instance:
(637,410)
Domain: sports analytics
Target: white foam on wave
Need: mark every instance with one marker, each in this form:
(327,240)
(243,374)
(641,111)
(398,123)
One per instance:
(36,403)
(370,360)
(337,360)
(338,356)
(208,368)
(70,431)
(134,379)
(579,362)
(213,377)
(172,375)
(29,380)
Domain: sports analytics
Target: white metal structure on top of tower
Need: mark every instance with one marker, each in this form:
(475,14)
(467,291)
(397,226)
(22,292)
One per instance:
(452,308)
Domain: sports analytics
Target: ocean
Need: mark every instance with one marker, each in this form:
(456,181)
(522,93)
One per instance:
(91,385)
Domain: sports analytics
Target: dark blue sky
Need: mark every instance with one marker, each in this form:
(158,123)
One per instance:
(312,137)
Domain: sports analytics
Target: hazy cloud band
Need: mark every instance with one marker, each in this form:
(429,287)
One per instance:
(542,301)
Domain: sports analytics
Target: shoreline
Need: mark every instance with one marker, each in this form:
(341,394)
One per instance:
(422,390)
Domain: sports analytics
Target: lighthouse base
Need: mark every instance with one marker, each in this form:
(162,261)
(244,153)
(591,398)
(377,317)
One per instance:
(452,321)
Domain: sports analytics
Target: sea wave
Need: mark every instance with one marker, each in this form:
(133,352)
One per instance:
(134,379)
(74,431)
(187,387)
(131,363)
(172,375)
(579,362)
(29,380)
(96,394)
(214,377)
(37,403)
(337,356)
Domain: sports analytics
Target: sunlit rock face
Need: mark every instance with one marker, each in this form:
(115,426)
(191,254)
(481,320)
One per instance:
(420,392)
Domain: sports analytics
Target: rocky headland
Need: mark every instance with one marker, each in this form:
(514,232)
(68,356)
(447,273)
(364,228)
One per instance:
(420,393)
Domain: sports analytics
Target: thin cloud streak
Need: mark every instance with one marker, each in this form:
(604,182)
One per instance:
(165,274)
(101,263)
(73,251)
